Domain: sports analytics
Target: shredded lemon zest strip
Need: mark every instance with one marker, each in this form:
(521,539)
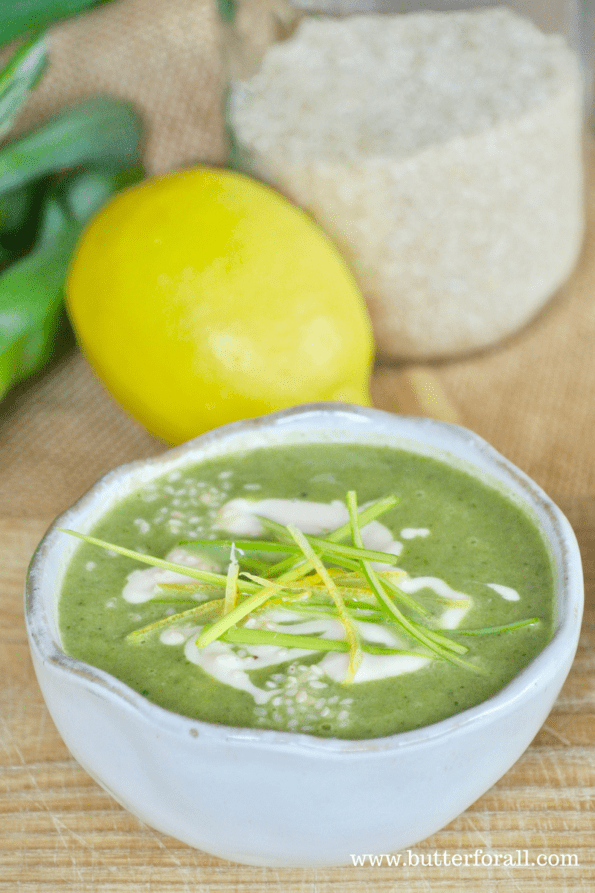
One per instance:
(231,584)
(200,612)
(216,630)
(355,648)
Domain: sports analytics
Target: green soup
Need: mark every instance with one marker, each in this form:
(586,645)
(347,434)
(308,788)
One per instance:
(467,561)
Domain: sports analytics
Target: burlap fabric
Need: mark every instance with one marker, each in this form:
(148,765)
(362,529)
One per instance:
(533,397)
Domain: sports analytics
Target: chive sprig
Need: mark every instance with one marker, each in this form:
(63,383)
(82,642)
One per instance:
(307,575)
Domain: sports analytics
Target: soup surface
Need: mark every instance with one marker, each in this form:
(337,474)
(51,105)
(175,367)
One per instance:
(455,560)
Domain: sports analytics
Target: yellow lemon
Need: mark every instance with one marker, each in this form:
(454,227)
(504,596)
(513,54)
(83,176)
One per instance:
(203,297)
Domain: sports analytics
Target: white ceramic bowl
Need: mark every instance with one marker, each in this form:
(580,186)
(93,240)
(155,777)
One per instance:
(286,799)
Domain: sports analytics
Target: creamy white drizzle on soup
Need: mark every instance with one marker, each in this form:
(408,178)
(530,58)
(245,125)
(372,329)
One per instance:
(441,597)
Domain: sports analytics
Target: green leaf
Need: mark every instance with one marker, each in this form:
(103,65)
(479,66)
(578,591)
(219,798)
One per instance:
(32,317)
(18,78)
(99,131)
(22,16)
(31,299)
(16,210)
(86,192)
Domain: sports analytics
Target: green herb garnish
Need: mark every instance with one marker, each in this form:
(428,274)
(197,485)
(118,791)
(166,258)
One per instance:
(316,577)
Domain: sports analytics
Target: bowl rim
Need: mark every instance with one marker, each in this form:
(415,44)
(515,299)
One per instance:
(543,668)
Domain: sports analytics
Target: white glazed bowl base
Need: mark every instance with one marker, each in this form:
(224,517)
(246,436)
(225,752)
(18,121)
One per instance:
(281,799)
